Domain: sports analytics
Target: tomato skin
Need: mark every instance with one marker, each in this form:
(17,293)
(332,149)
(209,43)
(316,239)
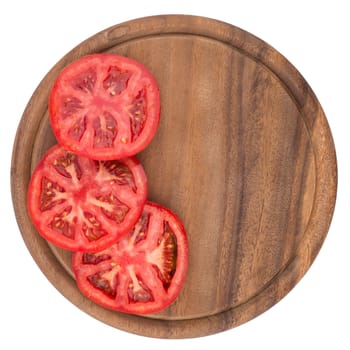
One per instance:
(105,115)
(109,277)
(81,204)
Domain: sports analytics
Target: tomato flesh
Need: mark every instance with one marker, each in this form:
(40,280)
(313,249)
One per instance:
(82,204)
(105,106)
(144,271)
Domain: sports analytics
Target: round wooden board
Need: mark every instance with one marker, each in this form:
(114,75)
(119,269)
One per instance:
(243,155)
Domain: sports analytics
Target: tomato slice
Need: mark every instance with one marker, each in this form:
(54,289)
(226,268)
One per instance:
(144,271)
(82,204)
(105,106)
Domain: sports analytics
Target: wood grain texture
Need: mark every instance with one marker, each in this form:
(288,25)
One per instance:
(243,155)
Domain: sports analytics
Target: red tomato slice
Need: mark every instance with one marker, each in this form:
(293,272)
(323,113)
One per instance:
(105,106)
(144,271)
(82,204)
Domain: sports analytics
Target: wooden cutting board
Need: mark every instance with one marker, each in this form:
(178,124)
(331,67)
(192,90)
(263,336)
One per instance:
(243,155)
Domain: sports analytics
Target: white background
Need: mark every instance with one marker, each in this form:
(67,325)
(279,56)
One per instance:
(313,35)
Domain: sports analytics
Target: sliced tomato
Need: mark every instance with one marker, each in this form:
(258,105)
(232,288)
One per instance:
(144,271)
(105,106)
(82,204)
